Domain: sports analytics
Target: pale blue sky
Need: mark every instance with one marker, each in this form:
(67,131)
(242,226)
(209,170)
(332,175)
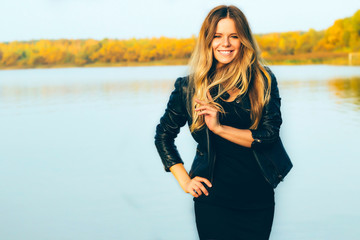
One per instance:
(98,19)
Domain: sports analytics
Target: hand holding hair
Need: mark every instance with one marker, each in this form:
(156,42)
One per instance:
(211,115)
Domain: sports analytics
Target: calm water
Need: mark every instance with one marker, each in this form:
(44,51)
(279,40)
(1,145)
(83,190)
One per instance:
(77,159)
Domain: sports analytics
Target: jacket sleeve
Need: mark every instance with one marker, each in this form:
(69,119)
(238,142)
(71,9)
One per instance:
(269,127)
(169,127)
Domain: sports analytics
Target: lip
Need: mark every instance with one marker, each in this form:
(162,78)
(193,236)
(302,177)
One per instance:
(225,52)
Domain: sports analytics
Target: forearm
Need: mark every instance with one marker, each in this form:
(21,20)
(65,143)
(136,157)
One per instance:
(241,137)
(181,175)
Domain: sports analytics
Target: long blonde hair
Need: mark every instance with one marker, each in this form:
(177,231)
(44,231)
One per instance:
(244,72)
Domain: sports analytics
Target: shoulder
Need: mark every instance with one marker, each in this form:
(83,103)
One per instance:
(182,81)
(184,91)
(182,84)
(181,87)
(268,69)
(274,83)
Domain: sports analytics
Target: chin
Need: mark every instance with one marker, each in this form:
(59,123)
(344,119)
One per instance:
(224,62)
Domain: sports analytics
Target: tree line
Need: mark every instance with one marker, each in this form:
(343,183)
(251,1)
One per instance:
(340,39)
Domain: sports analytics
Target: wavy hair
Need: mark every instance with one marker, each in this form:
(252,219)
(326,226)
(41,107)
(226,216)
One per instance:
(244,72)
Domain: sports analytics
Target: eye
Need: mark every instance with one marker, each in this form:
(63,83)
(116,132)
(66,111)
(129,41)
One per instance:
(234,36)
(217,36)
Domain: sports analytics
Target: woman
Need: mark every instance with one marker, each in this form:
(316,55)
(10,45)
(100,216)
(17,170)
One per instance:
(232,105)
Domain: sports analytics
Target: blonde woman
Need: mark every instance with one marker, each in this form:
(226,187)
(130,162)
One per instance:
(232,106)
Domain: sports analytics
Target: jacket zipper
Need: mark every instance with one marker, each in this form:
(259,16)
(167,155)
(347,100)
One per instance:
(262,169)
(212,171)
(277,170)
(212,163)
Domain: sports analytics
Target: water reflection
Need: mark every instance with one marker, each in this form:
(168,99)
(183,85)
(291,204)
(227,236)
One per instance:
(24,93)
(342,90)
(347,89)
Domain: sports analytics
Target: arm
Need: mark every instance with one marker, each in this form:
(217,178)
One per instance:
(193,186)
(269,127)
(166,131)
(169,127)
(241,137)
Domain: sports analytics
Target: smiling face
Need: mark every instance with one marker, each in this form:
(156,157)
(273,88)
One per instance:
(226,42)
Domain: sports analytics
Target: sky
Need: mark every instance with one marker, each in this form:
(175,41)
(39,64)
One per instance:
(24,20)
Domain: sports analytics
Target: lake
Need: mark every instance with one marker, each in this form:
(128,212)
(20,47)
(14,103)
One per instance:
(78,161)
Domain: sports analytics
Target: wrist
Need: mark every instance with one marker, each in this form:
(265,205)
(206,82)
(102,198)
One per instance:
(184,183)
(218,130)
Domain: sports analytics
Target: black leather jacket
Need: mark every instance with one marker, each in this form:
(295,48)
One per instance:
(178,112)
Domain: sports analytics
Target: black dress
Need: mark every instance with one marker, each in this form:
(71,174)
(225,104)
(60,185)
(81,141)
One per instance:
(240,204)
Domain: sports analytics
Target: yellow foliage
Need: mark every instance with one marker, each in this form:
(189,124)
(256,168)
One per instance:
(342,37)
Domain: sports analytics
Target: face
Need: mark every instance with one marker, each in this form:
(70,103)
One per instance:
(226,42)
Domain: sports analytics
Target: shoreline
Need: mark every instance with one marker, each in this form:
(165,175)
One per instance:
(184,62)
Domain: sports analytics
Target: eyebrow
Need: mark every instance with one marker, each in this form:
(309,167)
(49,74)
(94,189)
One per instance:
(229,34)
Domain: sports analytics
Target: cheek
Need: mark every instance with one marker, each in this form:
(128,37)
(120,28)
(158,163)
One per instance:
(213,45)
(237,45)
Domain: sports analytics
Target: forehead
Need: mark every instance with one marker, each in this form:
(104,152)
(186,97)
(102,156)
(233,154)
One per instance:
(226,25)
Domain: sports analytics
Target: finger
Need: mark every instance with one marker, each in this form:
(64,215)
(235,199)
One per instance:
(192,190)
(209,95)
(206,108)
(207,112)
(196,193)
(200,108)
(200,101)
(193,193)
(197,189)
(202,188)
(206,181)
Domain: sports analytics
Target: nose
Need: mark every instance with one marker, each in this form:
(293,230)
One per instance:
(226,42)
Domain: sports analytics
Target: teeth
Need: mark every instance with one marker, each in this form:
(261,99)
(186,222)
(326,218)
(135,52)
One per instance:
(225,53)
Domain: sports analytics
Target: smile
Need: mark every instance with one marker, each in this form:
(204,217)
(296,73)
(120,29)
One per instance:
(225,52)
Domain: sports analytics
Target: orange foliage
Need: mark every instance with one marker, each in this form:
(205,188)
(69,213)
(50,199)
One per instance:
(342,37)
